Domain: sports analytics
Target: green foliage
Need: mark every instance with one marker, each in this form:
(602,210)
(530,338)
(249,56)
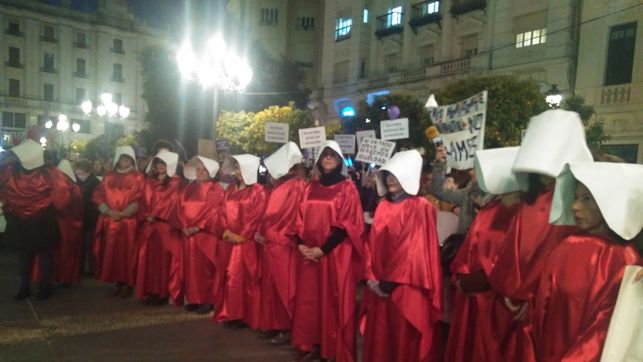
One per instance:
(99,147)
(594,127)
(511,102)
(129,140)
(245,131)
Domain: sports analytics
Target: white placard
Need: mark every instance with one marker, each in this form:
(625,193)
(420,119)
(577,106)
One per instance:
(312,137)
(346,143)
(461,127)
(623,342)
(277,132)
(363,134)
(373,150)
(447,225)
(396,129)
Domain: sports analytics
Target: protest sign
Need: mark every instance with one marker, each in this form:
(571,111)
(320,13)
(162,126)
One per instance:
(461,127)
(206,148)
(312,137)
(395,130)
(276,132)
(363,134)
(346,143)
(373,150)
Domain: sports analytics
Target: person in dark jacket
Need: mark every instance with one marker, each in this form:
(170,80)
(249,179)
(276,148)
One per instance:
(88,182)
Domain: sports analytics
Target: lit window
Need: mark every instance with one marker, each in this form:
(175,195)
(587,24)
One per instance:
(270,16)
(365,16)
(343,28)
(432,8)
(394,17)
(529,38)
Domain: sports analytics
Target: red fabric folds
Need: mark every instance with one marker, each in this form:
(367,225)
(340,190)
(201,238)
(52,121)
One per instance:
(28,194)
(325,301)
(200,205)
(576,297)
(471,337)
(115,244)
(67,255)
(403,248)
(279,267)
(241,282)
(159,246)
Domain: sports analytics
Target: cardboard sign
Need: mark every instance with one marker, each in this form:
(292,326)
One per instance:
(396,129)
(461,127)
(312,137)
(207,148)
(363,134)
(346,143)
(373,150)
(277,132)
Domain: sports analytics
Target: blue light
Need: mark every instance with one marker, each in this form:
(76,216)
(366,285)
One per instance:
(348,111)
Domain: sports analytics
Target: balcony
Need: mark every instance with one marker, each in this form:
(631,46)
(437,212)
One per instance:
(117,79)
(118,51)
(461,7)
(389,24)
(48,70)
(14,32)
(619,94)
(424,13)
(81,45)
(79,74)
(455,66)
(48,39)
(13,64)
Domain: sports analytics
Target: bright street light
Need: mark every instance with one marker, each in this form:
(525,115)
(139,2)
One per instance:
(553,97)
(75,127)
(49,124)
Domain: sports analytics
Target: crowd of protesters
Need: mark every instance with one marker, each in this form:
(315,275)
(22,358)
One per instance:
(312,257)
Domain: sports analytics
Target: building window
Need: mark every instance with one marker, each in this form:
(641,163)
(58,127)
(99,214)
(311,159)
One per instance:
(13,28)
(362,69)
(269,16)
(48,92)
(80,95)
(430,8)
(343,28)
(533,37)
(48,63)
(340,73)
(390,63)
(469,45)
(117,46)
(81,40)
(620,54)
(14,88)
(48,34)
(531,29)
(14,120)
(365,16)
(305,23)
(394,17)
(81,70)
(427,55)
(117,73)
(14,57)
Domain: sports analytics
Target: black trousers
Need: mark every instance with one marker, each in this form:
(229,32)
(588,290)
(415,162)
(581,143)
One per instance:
(25,265)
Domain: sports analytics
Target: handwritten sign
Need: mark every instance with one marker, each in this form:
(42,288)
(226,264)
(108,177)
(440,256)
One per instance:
(373,150)
(346,143)
(395,130)
(363,134)
(461,127)
(312,137)
(277,132)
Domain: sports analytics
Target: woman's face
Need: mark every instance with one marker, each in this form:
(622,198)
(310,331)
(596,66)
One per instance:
(586,212)
(124,162)
(329,160)
(82,175)
(202,173)
(160,168)
(98,166)
(393,184)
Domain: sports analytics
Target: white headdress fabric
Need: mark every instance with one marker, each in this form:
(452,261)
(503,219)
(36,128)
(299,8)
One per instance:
(127,151)
(333,145)
(30,155)
(249,164)
(65,167)
(171,160)
(493,170)
(189,171)
(280,162)
(406,166)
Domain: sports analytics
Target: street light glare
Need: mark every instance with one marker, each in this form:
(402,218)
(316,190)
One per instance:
(101,110)
(106,98)
(62,118)
(87,106)
(123,112)
(49,124)
(43,140)
(186,60)
(62,124)
(75,127)
(217,47)
(112,109)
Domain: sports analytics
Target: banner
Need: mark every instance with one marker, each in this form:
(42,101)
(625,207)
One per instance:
(277,132)
(346,143)
(461,127)
(363,134)
(312,137)
(373,150)
(396,129)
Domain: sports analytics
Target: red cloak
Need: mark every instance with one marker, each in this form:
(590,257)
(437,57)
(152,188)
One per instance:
(576,297)
(470,337)
(67,255)
(279,268)
(403,248)
(241,284)
(115,244)
(200,205)
(325,301)
(517,272)
(159,246)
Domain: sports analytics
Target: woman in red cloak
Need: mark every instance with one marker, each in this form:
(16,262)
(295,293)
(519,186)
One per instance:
(31,194)
(118,197)
(245,203)
(329,228)
(553,138)
(575,300)
(278,278)
(198,216)
(402,269)
(470,338)
(159,245)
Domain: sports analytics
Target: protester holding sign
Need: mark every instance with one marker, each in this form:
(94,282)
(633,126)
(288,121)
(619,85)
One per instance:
(403,272)
(329,227)
(575,300)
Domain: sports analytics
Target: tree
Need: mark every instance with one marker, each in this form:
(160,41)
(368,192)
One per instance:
(511,102)
(594,127)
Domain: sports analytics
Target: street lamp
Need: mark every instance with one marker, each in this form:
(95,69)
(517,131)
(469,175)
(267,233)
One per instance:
(218,67)
(106,108)
(62,124)
(553,97)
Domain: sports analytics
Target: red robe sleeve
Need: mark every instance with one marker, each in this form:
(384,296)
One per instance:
(350,216)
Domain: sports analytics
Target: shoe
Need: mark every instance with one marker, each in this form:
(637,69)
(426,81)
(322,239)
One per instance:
(126,292)
(45,292)
(228,324)
(23,293)
(237,325)
(267,334)
(191,307)
(280,339)
(204,309)
(310,356)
